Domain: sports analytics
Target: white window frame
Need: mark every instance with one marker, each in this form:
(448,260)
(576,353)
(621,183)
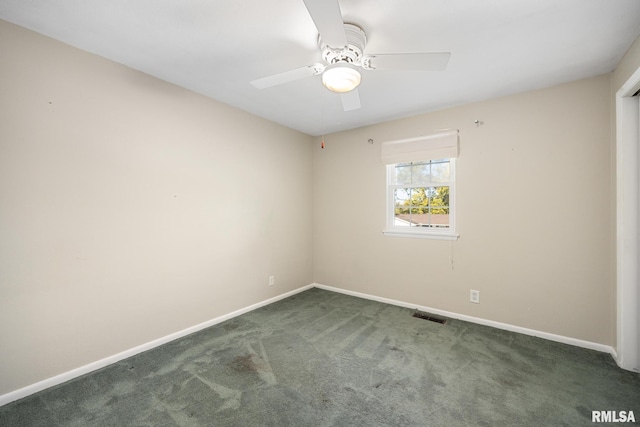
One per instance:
(420,232)
(440,145)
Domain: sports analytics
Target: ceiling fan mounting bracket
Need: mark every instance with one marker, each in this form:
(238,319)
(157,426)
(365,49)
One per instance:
(365,62)
(318,68)
(352,53)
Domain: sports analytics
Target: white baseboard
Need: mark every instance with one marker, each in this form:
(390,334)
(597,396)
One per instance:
(499,325)
(74,373)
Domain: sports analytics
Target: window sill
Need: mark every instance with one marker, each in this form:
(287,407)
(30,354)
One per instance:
(421,235)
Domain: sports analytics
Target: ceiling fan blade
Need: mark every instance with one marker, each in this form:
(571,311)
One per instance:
(431,61)
(327,16)
(288,76)
(350,100)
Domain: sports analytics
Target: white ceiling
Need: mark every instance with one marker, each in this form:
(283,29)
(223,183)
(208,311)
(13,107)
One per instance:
(216,47)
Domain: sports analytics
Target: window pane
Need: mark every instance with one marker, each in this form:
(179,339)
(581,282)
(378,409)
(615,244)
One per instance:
(402,195)
(401,200)
(419,211)
(402,220)
(420,197)
(403,174)
(439,197)
(410,218)
(419,217)
(440,172)
(420,174)
(439,210)
(438,220)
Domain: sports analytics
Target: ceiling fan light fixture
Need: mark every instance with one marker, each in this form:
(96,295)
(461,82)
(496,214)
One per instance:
(341,78)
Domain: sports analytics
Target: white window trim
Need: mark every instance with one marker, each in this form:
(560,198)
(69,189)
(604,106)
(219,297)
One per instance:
(416,232)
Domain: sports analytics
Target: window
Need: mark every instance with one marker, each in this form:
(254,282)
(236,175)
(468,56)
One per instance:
(421,192)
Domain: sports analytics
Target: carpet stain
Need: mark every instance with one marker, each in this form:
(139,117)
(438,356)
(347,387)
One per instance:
(246,363)
(253,363)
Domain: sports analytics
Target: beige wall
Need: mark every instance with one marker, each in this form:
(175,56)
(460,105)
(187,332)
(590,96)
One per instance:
(131,209)
(533,214)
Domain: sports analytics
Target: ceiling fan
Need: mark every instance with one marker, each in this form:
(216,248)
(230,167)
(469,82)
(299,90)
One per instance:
(342,46)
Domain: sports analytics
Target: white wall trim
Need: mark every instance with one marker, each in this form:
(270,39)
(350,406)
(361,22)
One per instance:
(627,218)
(499,325)
(74,373)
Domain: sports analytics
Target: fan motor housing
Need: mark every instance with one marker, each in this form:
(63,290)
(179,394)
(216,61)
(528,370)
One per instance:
(352,53)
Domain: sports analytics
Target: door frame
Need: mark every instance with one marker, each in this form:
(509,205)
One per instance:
(628,224)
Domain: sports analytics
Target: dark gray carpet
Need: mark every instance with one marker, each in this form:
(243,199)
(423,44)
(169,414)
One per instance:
(325,359)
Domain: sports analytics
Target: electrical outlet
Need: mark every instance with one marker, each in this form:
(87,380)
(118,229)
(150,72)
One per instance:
(272,280)
(474,296)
